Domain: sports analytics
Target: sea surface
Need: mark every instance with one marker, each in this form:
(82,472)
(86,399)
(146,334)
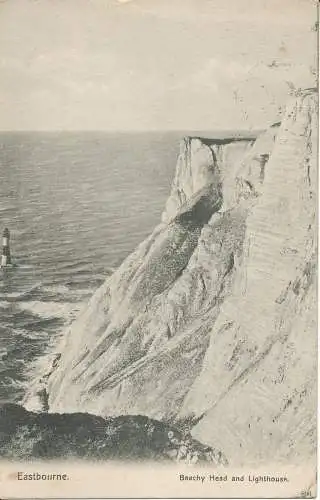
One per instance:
(76,205)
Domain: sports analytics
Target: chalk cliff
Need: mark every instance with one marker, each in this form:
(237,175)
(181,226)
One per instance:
(210,322)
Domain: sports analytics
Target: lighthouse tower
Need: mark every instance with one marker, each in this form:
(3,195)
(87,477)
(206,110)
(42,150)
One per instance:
(5,257)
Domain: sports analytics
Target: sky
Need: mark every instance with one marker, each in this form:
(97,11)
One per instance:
(136,65)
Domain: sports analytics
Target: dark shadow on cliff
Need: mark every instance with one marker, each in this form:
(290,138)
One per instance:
(25,435)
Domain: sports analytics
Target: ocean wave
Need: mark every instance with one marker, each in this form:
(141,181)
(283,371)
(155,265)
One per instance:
(71,292)
(17,296)
(25,266)
(51,309)
(23,334)
(3,352)
(56,289)
(12,383)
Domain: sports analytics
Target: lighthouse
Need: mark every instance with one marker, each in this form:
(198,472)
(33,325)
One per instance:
(5,257)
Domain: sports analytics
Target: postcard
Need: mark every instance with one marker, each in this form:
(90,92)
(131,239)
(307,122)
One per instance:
(158,280)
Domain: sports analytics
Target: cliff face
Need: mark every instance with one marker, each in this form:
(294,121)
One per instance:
(263,345)
(211,321)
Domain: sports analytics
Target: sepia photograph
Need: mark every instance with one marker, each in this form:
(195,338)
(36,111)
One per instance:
(158,269)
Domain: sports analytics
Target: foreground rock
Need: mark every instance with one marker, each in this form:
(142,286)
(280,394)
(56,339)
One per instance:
(211,321)
(25,435)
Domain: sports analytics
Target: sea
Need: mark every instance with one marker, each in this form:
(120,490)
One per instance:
(76,205)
